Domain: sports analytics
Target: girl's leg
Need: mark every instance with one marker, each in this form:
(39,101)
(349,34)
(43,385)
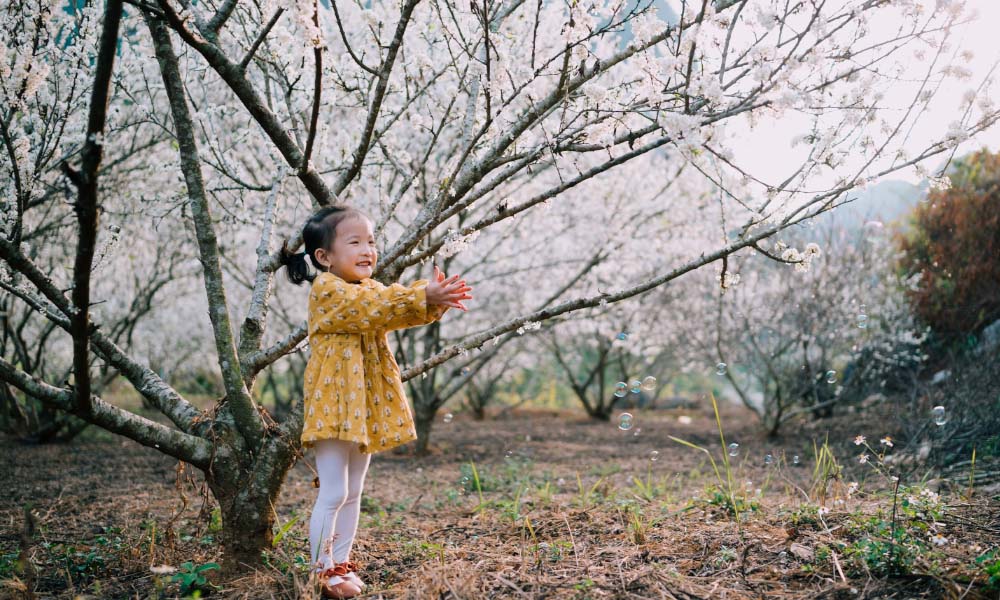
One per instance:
(332,463)
(346,525)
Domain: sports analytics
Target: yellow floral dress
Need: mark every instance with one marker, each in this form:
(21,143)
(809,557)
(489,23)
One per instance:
(352,389)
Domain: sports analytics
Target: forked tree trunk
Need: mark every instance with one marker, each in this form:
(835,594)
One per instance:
(246,484)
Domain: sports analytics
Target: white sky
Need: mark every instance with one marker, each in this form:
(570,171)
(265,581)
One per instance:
(766,152)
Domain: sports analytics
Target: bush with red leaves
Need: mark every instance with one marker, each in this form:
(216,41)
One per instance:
(954,245)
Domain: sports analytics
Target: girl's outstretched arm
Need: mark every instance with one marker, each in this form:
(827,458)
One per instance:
(336,306)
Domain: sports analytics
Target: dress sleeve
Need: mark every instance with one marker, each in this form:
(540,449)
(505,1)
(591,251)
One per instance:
(336,306)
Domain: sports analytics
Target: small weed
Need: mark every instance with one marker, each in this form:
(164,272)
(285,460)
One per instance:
(587,497)
(648,490)
(192,578)
(989,562)
(733,505)
(638,526)
(283,530)
(544,493)
(724,556)
(421,550)
(215,521)
(553,551)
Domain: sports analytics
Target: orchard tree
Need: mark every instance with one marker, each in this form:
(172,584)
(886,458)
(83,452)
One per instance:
(453,127)
(790,334)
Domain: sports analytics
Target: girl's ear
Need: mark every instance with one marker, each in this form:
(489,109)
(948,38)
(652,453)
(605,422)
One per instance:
(322,257)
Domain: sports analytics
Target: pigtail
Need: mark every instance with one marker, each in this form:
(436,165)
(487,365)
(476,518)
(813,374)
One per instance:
(295,265)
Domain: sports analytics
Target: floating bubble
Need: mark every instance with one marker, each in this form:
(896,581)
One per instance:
(862,321)
(448,417)
(831,376)
(795,460)
(637,431)
(635,387)
(939,415)
(508,455)
(720,369)
(625,421)
(649,383)
(734,449)
(622,336)
(465,371)
(654,456)
(621,388)
(768,460)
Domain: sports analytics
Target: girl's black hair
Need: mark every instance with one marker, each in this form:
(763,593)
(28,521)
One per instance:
(318,232)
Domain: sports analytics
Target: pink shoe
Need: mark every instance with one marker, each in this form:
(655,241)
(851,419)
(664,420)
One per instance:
(336,584)
(352,575)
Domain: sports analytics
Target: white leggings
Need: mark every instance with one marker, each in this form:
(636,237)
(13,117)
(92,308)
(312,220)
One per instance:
(334,521)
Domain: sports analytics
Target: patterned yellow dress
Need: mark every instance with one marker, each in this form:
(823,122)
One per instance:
(352,386)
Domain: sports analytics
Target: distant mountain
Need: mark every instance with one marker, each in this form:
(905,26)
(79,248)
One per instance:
(887,202)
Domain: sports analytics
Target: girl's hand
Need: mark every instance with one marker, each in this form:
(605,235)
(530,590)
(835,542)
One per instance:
(447,291)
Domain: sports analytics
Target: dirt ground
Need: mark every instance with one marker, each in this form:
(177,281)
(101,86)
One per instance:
(570,508)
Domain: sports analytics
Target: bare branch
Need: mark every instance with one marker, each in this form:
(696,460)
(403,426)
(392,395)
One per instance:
(243,406)
(86,203)
(183,446)
(376,103)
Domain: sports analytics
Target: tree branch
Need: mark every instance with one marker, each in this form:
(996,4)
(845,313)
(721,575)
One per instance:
(86,203)
(244,409)
(189,448)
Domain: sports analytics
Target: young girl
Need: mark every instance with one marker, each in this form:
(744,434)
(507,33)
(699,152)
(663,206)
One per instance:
(354,400)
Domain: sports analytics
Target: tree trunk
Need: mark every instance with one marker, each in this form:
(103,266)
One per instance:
(424,420)
(246,483)
(247,527)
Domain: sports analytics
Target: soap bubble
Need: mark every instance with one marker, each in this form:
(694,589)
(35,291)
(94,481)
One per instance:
(862,321)
(768,460)
(465,371)
(940,417)
(448,417)
(654,456)
(508,455)
(622,336)
(831,376)
(649,383)
(621,388)
(795,460)
(637,431)
(734,449)
(625,421)
(720,369)
(635,387)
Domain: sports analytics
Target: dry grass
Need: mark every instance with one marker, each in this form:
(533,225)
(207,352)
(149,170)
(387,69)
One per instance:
(539,533)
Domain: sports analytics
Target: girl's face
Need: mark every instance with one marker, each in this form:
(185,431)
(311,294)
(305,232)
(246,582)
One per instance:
(353,255)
